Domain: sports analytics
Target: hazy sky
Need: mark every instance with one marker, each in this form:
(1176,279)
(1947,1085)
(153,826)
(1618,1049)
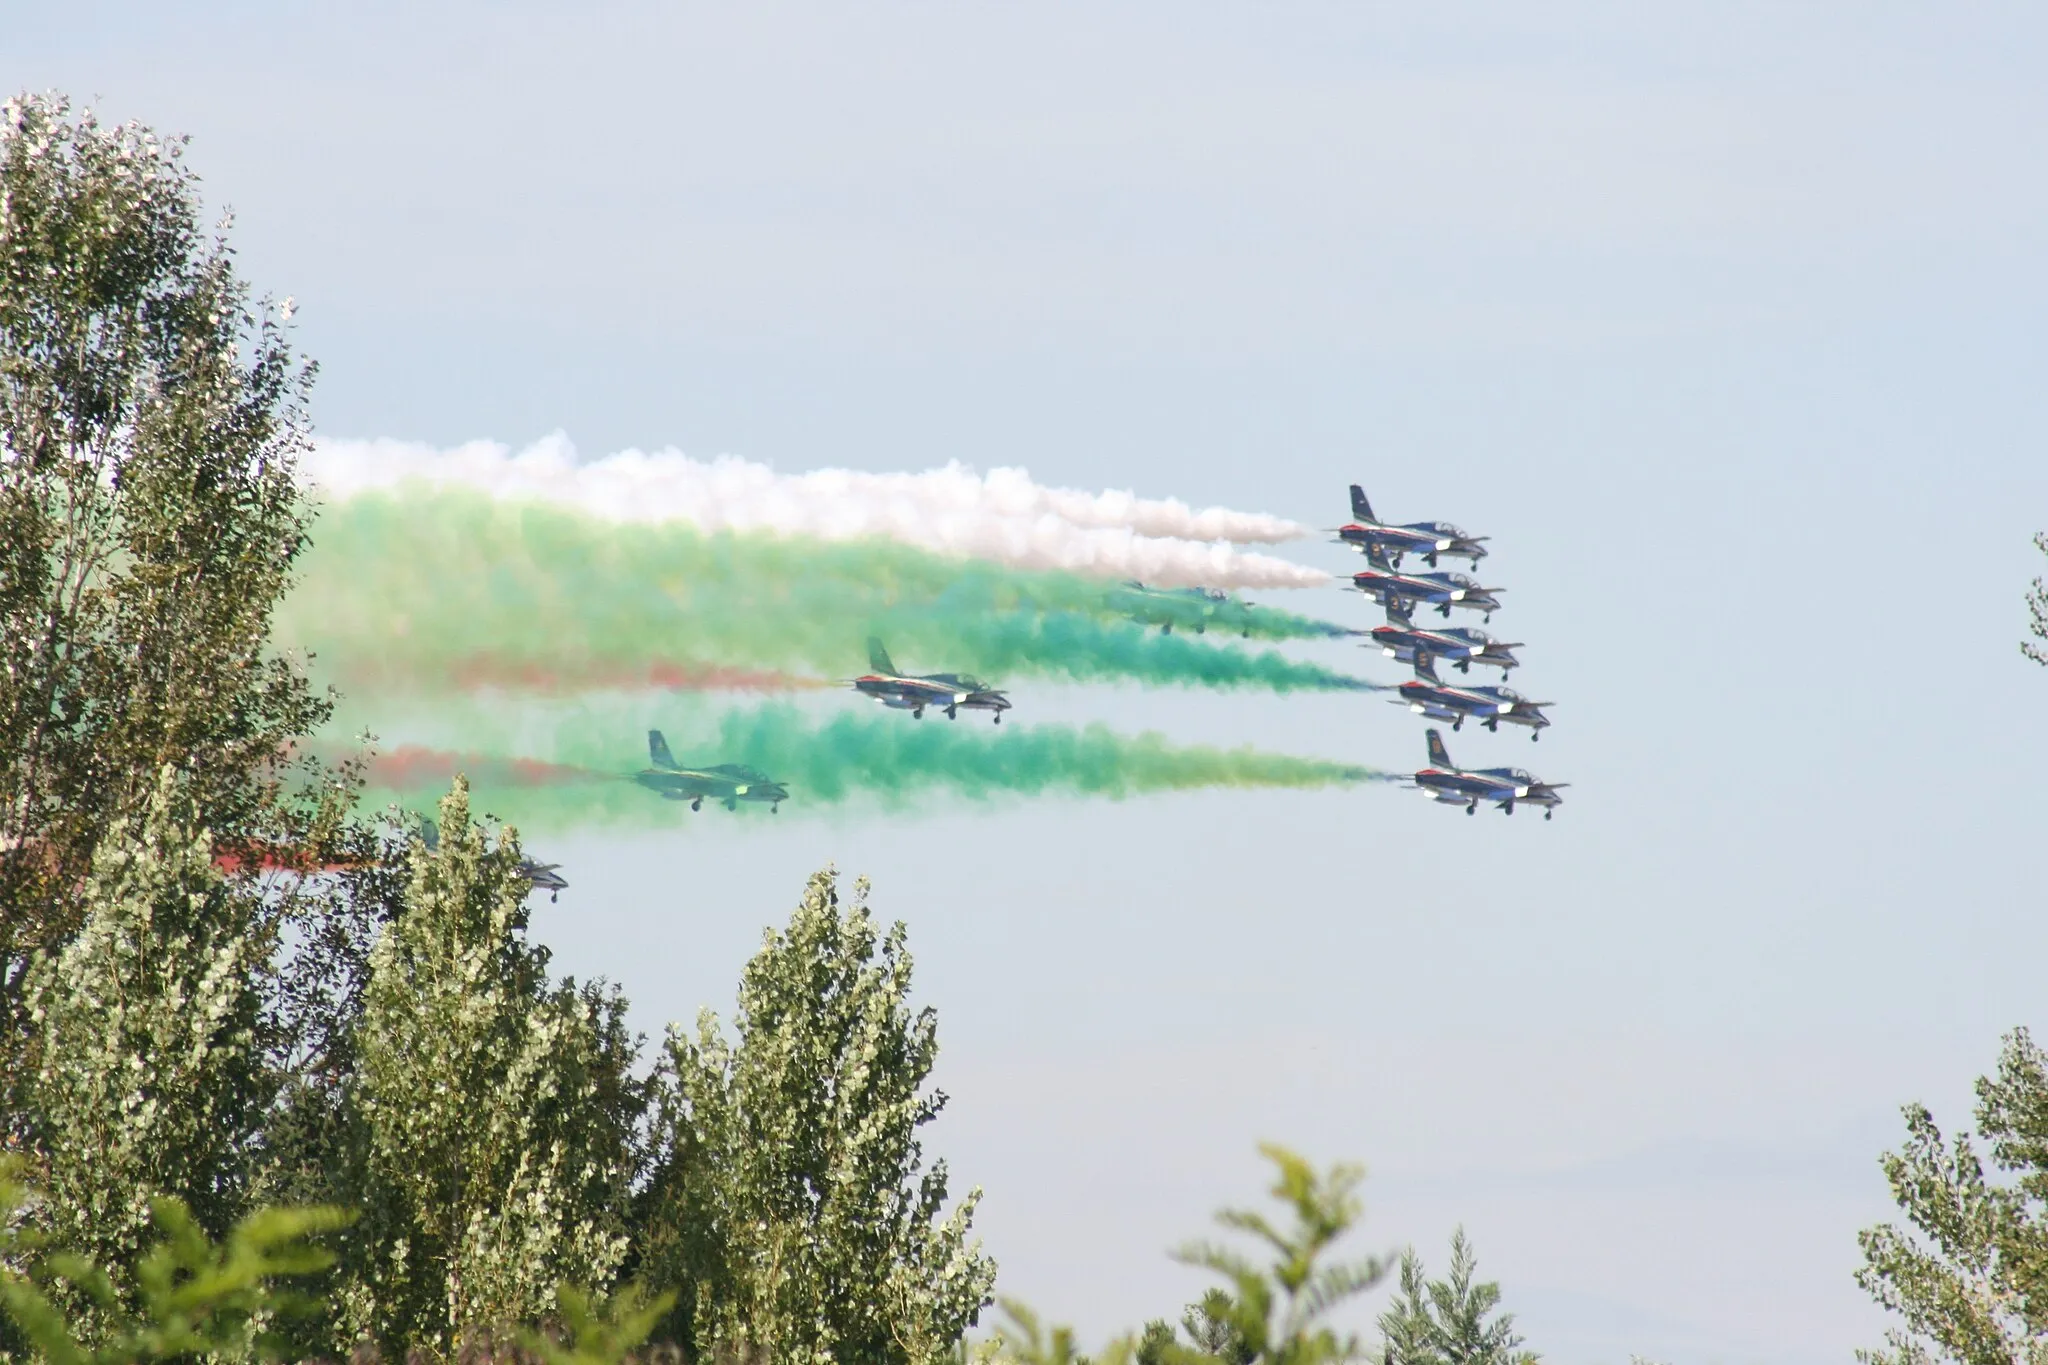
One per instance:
(1724,320)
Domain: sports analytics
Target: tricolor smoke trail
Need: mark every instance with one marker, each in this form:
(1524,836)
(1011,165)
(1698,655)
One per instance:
(454,591)
(585,778)
(1002,516)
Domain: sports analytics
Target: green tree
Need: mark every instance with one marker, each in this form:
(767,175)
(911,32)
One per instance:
(188,1297)
(495,1113)
(150,421)
(1275,1313)
(151,1079)
(2037,612)
(1451,1321)
(788,1206)
(1969,1276)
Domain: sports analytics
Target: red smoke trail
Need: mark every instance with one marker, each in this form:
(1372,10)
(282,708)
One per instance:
(564,677)
(411,766)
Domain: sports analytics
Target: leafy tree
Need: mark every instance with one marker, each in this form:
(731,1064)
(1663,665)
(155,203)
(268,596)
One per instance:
(150,1081)
(1970,1276)
(191,1297)
(1274,1314)
(1450,1321)
(150,420)
(788,1206)
(495,1113)
(2037,611)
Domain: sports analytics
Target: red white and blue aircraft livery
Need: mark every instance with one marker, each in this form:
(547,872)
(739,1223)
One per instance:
(1451,785)
(947,691)
(1428,695)
(1402,591)
(1401,638)
(1429,539)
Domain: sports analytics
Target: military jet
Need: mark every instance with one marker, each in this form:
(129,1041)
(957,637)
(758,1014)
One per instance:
(1400,638)
(1398,591)
(1426,538)
(912,693)
(727,782)
(1454,786)
(1428,695)
(541,876)
(1197,608)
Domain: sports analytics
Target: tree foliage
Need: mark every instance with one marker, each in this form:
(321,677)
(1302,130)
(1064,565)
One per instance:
(495,1113)
(1969,1275)
(790,1207)
(2037,611)
(1452,1321)
(1276,1312)
(150,419)
(189,1297)
(150,1080)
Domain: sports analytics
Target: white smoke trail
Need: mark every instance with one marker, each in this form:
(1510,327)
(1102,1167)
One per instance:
(1001,515)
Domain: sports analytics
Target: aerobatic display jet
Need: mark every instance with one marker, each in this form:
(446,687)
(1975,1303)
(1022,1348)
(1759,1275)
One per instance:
(731,783)
(1428,695)
(1426,538)
(541,876)
(1451,785)
(1193,608)
(1400,638)
(1398,591)
(912,693)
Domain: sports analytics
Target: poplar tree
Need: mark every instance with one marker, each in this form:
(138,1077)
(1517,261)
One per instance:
(151,415)
(494,1111)
(1969,1276)
(790,1207)
(151,1083)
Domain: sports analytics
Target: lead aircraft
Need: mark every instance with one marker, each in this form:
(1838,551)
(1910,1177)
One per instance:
(731,783)
(1451,785)
(1428,695)
(1426,538)
(1400,638)
(912,693)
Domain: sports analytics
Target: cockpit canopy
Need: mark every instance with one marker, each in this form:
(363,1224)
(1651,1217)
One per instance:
(742,772)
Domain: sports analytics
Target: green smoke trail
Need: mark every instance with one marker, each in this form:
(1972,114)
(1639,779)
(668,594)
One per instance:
(581,758)
(409,593)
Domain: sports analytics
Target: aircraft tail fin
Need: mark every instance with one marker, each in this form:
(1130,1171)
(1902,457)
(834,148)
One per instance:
(878,657)
(1398,613)
(1377,557)
(657,751)
(1360,507)
(1438,754)
(1425,666)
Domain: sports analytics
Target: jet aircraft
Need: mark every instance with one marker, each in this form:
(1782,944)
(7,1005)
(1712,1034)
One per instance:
(1398,591)
(1451,785)
(1428,695)
(1426,538)
(1197,608)
(541,876)
(912,693)
(731,783)
(1400,638)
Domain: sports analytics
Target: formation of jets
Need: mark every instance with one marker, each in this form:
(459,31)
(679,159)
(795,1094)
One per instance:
(1384,544)
(914,692)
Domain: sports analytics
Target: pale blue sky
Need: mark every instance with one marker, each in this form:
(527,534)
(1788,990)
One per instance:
(1724,321)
